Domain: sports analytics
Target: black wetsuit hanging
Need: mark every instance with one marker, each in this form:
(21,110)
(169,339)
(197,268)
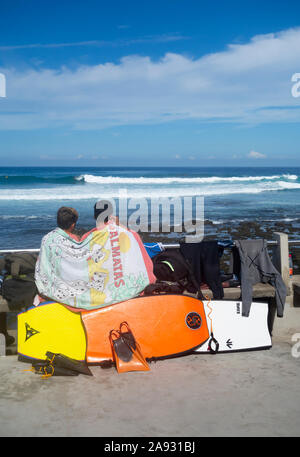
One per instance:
(204,259)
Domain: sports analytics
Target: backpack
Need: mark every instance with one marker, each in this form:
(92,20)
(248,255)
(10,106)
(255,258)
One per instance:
(171,266)
(19,292)
(20,263)
(161,287)
(18,287)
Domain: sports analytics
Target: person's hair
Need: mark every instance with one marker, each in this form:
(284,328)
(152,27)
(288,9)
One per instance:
(66,217)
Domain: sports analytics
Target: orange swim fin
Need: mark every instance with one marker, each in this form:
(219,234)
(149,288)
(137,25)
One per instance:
(126,350)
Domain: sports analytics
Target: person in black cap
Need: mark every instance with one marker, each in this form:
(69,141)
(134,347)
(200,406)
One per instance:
(103,212)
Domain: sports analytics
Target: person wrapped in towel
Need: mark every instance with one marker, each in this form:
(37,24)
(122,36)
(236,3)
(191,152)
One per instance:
(109,264)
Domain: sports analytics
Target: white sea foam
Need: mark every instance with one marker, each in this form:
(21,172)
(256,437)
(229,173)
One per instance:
(289,185)
(92,179)
(293,177)
(22,216)
(261,219)
(11,216)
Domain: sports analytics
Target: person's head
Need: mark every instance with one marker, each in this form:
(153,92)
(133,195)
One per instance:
(104,208)
(67,218)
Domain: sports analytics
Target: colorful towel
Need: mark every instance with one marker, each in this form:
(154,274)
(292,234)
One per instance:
(106,266)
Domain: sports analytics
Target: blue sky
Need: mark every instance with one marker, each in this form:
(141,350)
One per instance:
(166,82)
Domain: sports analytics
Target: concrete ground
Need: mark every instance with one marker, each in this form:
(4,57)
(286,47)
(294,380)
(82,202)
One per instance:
(237,394)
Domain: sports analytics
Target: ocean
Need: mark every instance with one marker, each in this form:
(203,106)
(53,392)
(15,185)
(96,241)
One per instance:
(30,197)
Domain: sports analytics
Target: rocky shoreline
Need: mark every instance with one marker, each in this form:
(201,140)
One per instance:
(234,230)
(237,230)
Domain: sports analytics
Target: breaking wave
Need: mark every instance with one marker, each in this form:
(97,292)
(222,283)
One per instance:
(93,179)
(153,190)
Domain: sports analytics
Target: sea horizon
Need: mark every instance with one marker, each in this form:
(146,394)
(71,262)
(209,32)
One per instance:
(150,166)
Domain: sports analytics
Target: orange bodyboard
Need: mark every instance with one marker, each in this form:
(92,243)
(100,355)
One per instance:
(163,325)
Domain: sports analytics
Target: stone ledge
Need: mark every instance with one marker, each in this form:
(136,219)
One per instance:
(234,293)
(230,293)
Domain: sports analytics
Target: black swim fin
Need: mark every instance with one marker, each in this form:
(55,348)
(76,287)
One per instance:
(46,369)
(62,361)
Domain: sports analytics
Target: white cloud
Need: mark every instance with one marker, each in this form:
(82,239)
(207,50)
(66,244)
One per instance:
(256,155)
(99,157)
(15,47)
(47,157)
(246,83)
(163,38)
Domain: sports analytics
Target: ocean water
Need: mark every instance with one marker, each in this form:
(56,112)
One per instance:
(30,197)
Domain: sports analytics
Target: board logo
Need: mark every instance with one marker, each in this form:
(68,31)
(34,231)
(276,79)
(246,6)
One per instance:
(229,343)
(29,331)
(193,320)
(238,308)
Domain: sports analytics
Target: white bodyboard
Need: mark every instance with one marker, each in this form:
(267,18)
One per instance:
(234,332)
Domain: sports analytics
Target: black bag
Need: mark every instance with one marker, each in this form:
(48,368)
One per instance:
(171,266)
(19,292)
(18,286)
(22,263)
(161,287)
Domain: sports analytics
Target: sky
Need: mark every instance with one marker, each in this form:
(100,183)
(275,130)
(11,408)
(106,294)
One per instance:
(139,83)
